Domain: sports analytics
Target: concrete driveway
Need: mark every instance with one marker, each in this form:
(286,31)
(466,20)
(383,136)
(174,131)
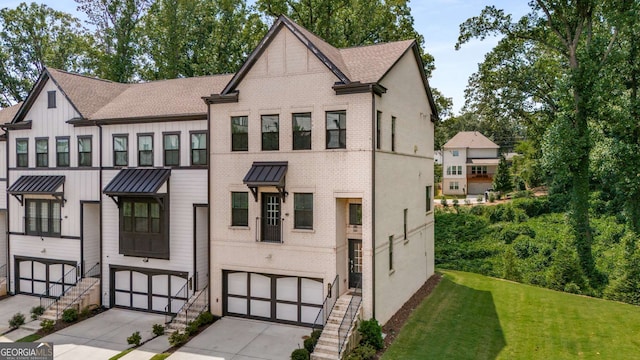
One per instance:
(103,335)
(16,304)
(241,339)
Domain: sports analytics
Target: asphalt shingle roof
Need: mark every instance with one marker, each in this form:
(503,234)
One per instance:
(470,139)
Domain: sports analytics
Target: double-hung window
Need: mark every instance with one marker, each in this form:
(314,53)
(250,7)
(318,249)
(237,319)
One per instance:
(42,152)
(302,131)
(42,217)
(239,133)
(303,210)
(62,152)
(239,209)
(171,143)
(336,129)
(270,132)
(145,150)
(84,151)
(199,148)
(120,150)
(22,153)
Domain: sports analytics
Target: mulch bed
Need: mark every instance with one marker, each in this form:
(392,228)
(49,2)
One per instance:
(59,325)
(394,325)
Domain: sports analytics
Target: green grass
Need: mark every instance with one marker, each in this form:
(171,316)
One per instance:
(123,353)
(470,316)
(30,338)
(160,356)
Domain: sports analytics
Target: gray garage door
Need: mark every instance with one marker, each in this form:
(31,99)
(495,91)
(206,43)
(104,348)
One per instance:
(46,277)
(152,290)
(286,299)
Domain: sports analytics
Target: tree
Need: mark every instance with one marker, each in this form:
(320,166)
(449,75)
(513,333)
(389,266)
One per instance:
(526,164)
(117,35)
(575,37)
(198,37)
(502,180)
(32,37)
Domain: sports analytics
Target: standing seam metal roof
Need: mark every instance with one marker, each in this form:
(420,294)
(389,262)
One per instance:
(36,184)
(137,182)
(270,173)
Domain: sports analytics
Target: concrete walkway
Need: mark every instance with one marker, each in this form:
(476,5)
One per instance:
(241,339)
(103,335)
(17,304)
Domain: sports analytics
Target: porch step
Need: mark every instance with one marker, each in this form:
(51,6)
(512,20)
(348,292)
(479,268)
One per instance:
(328,343)
(189,312)
(81,290)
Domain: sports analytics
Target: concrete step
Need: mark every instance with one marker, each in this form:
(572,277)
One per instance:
(327,341)
(323,356)
(326,350)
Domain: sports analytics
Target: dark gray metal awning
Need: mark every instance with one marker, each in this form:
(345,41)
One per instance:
(132,182)
(37,185)
(267,173)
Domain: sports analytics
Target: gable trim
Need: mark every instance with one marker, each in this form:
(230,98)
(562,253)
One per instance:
(271,34)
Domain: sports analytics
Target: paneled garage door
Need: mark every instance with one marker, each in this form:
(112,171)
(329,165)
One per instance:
(153,290)
(286,299)
(44,276)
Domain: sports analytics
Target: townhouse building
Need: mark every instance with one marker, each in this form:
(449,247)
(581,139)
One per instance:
(469,163)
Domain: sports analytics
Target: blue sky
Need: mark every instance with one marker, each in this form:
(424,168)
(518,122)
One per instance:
(438,21)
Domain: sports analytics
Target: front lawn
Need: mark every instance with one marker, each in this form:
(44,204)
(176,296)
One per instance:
(470,316)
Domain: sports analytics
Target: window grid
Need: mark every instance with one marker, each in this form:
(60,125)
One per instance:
(42,217)
(454,185)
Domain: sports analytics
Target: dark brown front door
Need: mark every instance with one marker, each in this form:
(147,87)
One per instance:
(355,263)
(271,223)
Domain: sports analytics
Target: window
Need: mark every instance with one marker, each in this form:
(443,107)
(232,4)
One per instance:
(428,197)
(42,152)
(393,133)
(199,148)
(404,227)
(391,253)
(454,185)
(302,131)
(143,228)
(379,130)
(478,170)
(239,209)
(84,151)
(42,217)
(22,153)
(303,210)
(171,149)
(454,170)
(355,214)
(239,133)
(270,132)
(336,129)
(62,152)
(145,150)
(120,150)
(455,153)
(51,99)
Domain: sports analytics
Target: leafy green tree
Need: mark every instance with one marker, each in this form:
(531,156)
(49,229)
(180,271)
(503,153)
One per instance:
(117,35)
(34,36)
(526,164)
(502,180)
(198,37)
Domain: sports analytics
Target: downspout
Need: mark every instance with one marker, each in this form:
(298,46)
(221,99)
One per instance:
(373,202)
(209,205)
(7,222)
(101,212)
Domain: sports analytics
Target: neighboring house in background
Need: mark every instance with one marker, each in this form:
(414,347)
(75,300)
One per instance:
(321,167)
(437,157)
(470,160)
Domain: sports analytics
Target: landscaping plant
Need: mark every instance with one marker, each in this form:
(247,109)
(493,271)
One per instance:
(70,315)
(371,333)
(36,311)
(16,320)
(158,330)
(47,325)
(134,339)
(300,354)
(178,338)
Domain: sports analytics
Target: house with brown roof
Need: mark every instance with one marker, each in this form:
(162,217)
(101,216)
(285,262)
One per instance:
(321,182)
(107,191)
(469,163)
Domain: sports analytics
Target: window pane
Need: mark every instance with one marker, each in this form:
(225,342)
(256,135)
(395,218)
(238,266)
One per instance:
(303,211)
(198,141)
(84,144)
(270,132)
(55,217)
(141,210)
(336,129)
(302,131)
(21,146)
(239,133)
(62,145)
(355,214)
(171,142)
(239,208)
(145,142)
(62,149)
(42,146)
(44,216)
(172,158)
(120,143)
(32,216)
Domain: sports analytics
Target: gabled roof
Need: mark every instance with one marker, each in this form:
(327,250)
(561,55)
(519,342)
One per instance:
(369,64)
(7,114)
(470,139)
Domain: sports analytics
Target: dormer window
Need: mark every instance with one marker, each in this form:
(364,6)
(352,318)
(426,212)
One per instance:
(51,99)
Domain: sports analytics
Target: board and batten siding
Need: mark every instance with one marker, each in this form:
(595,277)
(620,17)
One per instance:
(157,129)
(3,237)
(91,235)
(42,247)
(202,245)
(186,187)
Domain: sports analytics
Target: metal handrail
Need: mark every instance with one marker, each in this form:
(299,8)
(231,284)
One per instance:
(3,270)
(349,316)
(328,304)
(167,309)
(187,306)
(47,299)
(81,290)
(94,271)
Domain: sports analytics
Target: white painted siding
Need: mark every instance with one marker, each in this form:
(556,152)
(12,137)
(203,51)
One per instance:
(401,180)
(482,153)
(202,245)
(91,235)
(3,238)
(448,161)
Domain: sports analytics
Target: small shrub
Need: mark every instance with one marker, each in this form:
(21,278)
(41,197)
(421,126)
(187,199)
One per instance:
(455,203)
(70,315)
(205,318)
(443,202)
(572,288)
(134,339)
(178,338)
(47,325)
(192,328)
(85,312)
(158,330)
(492,197)
(316,334)
(300,354)
(371,333)
(362,352)
(16,320)
(36,311)
(310,344)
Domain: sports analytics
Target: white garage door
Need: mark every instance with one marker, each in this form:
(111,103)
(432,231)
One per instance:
(477,188)
(44,277)
(148,289)
(287,299)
